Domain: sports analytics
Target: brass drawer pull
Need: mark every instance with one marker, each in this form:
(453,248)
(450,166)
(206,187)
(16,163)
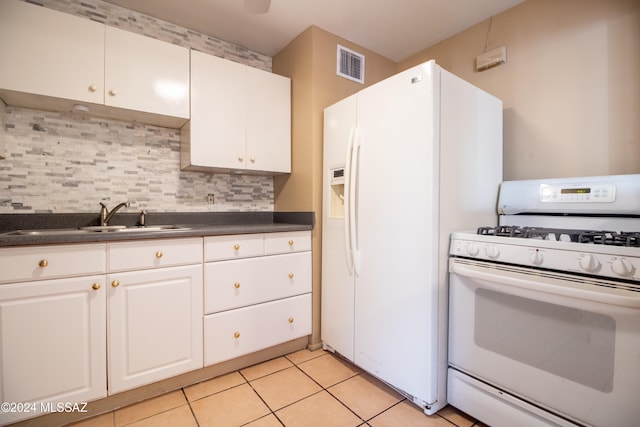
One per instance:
(290,319)
(290,275)
(236,335)
(236,285)
(115,283)
(96,286)
(236,247)
(159,254)
(43,263)
(290,242)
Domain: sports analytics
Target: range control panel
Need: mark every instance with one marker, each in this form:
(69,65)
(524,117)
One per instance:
(611,196)
(577,194)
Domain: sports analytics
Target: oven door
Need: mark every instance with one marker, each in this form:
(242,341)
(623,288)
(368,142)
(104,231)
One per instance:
(564,343)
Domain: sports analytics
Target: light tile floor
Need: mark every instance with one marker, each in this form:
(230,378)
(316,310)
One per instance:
(305,388)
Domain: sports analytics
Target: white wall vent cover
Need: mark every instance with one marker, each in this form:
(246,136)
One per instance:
(350,64)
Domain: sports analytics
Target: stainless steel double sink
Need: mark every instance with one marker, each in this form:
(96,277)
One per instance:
(96,229)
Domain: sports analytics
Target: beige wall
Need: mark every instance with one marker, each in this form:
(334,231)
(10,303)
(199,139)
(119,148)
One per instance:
(571,84)
(310,61)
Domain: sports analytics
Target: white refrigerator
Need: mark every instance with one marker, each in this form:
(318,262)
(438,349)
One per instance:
(406,162)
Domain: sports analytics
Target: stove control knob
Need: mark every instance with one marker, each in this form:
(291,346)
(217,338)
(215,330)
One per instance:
(536,258)
(492,252)
(472,249)
(622,267)
(589,263)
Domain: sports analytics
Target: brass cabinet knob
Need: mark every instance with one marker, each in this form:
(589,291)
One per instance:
(96,286)
(236,335)
(43,263)
(236,247)
(290,319)
(290,242)
(159,254)
(290,275)
(115,283)
(236,285)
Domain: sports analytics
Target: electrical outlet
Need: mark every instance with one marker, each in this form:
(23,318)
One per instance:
(210,198)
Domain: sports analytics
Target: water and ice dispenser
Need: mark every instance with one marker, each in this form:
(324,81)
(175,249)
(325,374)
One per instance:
(336,199)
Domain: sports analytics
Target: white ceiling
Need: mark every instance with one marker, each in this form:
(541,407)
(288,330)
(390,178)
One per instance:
(395,29)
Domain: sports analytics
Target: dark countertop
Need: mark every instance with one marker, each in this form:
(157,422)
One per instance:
(195,224)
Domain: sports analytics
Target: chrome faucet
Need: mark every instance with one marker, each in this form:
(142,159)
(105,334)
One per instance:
(105,215)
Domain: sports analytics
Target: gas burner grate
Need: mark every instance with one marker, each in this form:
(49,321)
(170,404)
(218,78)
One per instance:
(600,237)
(611,238)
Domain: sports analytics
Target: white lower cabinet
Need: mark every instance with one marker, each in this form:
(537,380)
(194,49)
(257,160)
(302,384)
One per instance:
(155,311)
(259,300)
(79,322)
(52,344)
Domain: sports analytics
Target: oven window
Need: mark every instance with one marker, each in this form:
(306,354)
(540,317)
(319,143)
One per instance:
(574,344)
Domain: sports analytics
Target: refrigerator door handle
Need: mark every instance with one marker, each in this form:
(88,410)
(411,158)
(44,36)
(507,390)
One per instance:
(347,201)
(353,205)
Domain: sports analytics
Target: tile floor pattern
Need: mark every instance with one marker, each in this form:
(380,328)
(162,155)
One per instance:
(305,388)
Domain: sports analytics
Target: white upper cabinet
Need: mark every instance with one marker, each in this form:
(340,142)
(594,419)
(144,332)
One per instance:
(53,60)
(50,53)
(3,144)
(146,74)
(217,128)
(240,118)
(268,121)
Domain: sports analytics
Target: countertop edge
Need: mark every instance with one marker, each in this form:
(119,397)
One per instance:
(280,222)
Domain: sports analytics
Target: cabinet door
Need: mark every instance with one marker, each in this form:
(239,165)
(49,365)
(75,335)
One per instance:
(155,325)
(145,74)
(52,342)
(51,53)
(3,144)
(217,127)
(268,121)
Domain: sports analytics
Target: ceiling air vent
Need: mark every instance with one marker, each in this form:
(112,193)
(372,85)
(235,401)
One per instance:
(350,64)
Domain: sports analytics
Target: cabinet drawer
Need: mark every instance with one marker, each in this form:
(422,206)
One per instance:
(245,330)
(293,241)
(139,255)
(48,262)
(233,247)
(237,283)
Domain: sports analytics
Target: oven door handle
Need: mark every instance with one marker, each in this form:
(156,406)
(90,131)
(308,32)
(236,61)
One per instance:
(518,280)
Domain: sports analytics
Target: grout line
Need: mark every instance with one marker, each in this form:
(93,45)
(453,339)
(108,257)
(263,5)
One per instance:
(327,390)
(184,393)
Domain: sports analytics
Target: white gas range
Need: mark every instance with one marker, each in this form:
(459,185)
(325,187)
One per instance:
(545,307)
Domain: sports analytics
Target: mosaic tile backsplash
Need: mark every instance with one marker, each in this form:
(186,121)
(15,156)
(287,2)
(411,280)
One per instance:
(66,162)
